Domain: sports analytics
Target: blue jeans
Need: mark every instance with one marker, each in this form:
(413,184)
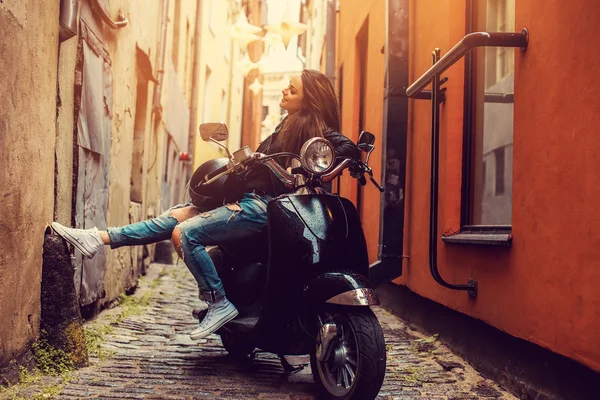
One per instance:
(145,232)
(229,222)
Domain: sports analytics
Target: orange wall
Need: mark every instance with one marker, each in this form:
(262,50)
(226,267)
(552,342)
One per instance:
(541,288)
(544,288)
(353,14)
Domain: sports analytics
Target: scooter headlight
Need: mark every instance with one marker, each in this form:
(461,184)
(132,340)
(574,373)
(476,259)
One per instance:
(317,156)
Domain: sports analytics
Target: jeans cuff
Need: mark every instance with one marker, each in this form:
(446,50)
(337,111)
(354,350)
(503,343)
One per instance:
(115,237)
(214,296)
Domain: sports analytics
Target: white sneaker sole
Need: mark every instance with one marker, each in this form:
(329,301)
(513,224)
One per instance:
(202,335)
(65,235)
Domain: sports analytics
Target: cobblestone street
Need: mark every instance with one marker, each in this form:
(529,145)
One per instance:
(144,352)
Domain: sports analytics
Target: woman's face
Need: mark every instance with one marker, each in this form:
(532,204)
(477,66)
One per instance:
(293,95)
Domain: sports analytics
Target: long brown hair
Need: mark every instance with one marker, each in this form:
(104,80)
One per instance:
(318,115)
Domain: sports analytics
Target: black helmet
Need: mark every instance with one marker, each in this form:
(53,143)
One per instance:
(225,189)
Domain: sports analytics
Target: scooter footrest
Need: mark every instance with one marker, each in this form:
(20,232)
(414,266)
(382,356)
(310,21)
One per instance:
(289,368)
(242,324)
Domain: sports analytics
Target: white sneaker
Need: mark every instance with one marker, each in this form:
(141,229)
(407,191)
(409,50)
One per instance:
(218,314)
(87,241)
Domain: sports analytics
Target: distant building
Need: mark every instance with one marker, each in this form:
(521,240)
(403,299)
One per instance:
(278,65)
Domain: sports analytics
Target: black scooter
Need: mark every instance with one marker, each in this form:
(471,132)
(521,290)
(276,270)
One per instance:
(301,286)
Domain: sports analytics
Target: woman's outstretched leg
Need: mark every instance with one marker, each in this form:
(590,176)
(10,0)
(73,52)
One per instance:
(88,241)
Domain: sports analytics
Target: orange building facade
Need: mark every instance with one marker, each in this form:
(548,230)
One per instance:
(518,160)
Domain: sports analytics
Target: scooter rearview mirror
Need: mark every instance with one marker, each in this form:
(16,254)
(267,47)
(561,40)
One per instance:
(214,131)
(365,141)
(365,147)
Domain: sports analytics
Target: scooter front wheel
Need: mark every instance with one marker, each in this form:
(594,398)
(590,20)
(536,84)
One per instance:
(353,365)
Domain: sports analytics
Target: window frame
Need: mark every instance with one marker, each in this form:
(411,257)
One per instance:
(469,233)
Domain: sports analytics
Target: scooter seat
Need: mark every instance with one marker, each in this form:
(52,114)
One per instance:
(251,249)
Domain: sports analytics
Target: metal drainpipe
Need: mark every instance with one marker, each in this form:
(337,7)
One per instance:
(394,134)
(161,57)
(195,80)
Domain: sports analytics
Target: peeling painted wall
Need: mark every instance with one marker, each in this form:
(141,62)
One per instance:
(122,265)
(28,64)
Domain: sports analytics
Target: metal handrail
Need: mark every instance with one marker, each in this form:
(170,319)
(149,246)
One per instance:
(437,95)
(467,43)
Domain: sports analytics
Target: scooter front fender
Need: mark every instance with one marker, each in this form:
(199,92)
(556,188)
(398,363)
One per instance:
(342,288)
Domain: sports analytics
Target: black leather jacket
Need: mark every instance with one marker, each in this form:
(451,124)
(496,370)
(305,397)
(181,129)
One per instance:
(261,180)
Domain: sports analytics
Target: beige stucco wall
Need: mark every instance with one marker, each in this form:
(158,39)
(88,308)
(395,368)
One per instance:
(36,134)
(28,65)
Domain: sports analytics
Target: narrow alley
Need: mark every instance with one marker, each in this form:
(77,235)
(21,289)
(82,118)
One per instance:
(441,154)
(142,351)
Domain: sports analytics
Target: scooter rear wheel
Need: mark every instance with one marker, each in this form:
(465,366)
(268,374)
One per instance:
(355,366)
(236,345)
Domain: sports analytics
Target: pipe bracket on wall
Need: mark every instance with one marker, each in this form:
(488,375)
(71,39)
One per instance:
(101,13)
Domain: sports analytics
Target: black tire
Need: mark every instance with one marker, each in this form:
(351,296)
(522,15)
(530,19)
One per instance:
(360,336)
(236,345)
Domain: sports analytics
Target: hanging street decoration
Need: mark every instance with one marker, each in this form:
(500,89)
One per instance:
(248,65)
(256,86)
(243,32)
(287,28)
(271,40)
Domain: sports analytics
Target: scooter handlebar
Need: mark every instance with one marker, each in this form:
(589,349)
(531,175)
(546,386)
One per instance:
(328,177)
(216,172)
(358,170)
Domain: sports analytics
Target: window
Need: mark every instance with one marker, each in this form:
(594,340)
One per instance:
(489,110)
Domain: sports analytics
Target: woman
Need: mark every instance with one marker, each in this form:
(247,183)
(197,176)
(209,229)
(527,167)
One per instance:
(312,111)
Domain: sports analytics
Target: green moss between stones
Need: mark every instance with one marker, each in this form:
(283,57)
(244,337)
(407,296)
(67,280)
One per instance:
(94,337)
(49,361)
(130,305)
(76,344)
(58,363)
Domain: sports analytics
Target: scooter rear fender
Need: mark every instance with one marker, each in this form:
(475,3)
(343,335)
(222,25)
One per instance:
(344,288)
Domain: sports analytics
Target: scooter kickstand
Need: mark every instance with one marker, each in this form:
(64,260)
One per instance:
(289,368)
